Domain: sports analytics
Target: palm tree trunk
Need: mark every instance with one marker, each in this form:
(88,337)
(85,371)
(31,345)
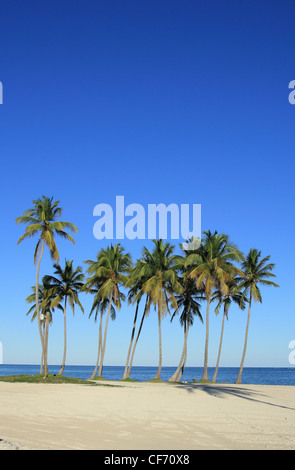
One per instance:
(99,348)
(42,353)
(46,346)
(37,299)
(104,338)
(183,365)
(176,374)
(205,373)
(131,342)
(136,340)
(61,371)
(158,374)
(219,350)
(239,378)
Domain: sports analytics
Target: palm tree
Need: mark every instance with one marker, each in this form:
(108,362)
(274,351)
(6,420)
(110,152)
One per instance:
(212,267)
(160,269)
(42,220)
(256,272)
(108,274)
(44,298)
(187,301)
(66,287)
(234,294)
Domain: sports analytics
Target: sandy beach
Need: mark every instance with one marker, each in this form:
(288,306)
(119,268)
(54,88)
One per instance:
(148,416)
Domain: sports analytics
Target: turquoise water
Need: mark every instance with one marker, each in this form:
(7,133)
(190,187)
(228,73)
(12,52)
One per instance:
(251,375)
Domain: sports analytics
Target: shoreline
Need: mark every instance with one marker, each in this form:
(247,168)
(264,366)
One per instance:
(145,416)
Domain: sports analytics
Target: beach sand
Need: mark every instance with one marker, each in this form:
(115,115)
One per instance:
(139,416)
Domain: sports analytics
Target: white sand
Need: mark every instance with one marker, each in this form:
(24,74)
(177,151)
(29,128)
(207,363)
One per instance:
(146,416)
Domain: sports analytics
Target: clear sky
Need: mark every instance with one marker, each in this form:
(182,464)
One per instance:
(162,102)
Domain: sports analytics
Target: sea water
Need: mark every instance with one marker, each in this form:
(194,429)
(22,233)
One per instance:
(251,375)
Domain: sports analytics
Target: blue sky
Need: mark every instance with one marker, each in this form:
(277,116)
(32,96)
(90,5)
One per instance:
(162,102)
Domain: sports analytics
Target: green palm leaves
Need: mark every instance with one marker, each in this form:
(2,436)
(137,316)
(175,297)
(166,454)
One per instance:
(66,284)
(41,220)
(213,260)
(256,271)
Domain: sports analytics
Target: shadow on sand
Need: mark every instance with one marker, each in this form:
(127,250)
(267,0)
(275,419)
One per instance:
(225,390)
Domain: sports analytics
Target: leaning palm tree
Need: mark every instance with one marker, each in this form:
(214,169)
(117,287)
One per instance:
(256,272)
(159,267)
(108,273)
(44,298)
(188,304)
(42,221)
(66,286)
(212,267)
(234,295)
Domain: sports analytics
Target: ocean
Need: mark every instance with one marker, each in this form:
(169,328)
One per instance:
(251,375)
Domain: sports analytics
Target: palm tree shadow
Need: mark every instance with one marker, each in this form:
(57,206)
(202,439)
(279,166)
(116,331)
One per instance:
(223,391)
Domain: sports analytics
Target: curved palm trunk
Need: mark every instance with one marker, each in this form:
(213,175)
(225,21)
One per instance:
(219,350)
(183,365)
(37,303)
(136,340)
(179,371)
(46,346)
(158,374)
(131,342)
(104,339)
(239,378)
(42,353)
(205,373)
(61,371)
(99,348)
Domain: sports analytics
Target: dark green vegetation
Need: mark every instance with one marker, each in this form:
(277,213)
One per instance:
(49,379)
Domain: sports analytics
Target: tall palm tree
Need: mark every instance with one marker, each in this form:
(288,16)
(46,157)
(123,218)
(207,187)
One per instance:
(160,269)
(42,221)
(212,267)
(108,273)
(188,302)
(44,298)
(234,295)
(256,272)
(66,286)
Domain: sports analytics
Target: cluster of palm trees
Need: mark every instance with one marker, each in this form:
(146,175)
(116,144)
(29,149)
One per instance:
(211,271)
